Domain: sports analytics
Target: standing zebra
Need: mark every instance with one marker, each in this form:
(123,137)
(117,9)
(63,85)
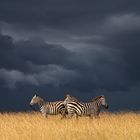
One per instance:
(85,109)
(51,108)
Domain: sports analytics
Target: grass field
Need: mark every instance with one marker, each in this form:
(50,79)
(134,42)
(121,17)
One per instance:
(32,126)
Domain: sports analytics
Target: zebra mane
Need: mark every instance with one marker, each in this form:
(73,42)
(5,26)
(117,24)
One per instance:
(41,99)
(96,98)
(71,97)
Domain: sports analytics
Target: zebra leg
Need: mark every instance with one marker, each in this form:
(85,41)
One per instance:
(91,116)
(76,116)
(63,116)
(45,115)
(96,115)
(63,113)
(70,115)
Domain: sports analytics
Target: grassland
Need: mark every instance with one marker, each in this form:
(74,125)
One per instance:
(32,126)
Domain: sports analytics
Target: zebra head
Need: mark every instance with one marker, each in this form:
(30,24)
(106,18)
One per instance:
(101,100)
(35,100)
(69,98)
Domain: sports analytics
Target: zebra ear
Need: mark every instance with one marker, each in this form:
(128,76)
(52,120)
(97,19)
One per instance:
(36,94)
(67,96)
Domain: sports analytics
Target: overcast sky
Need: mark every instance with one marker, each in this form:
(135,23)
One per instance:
(85,47)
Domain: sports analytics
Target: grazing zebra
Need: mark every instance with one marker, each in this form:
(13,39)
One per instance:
(51,108)
(85,109)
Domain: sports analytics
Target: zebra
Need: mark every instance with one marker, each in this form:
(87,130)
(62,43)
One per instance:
(48,108)
(90,109)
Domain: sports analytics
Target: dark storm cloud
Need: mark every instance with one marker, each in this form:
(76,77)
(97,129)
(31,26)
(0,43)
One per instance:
(39,52)
(34,62)
(15,54)
(8,56)
(62,14)
(114,57)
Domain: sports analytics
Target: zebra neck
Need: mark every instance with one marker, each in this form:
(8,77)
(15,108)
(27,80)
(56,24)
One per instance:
(41,103)
(97,104)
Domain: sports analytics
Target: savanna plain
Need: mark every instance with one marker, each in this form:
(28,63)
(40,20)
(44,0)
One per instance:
(33,126)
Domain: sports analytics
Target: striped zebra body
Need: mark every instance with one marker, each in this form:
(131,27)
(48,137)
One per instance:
(48,108)
(81,109)
(85,109)
(52,108)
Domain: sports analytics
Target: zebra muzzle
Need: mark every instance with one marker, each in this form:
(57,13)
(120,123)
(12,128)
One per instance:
(107,107)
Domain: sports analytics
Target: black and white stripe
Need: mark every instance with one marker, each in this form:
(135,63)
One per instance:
(85,109)
(70,98)
(48,108)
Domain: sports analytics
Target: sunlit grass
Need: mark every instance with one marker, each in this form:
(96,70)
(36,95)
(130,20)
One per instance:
(33,126)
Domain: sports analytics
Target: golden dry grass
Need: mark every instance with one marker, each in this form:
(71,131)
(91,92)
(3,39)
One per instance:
(32,126)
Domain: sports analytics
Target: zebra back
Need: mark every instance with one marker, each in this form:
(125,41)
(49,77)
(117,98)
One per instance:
(53,108)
